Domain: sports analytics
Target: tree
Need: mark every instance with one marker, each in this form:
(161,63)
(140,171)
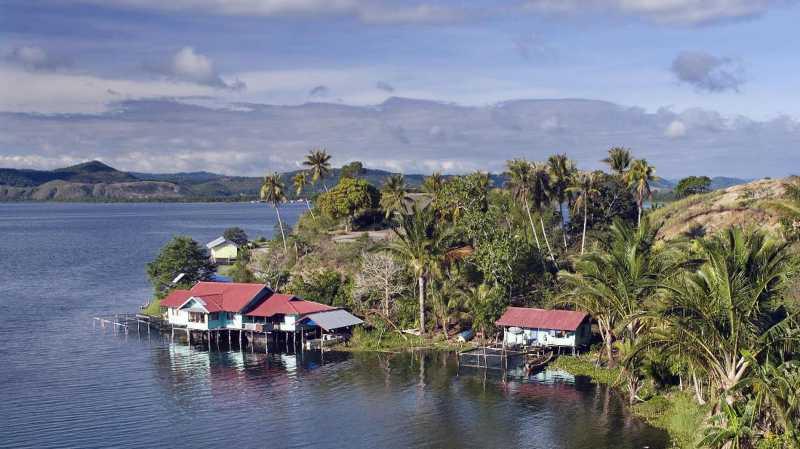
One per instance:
(562,174)
(319,164)
(447,296)
(394,195)
(485,303)
(728,314)
(692,185)
(347,199)
(380,275)
(351,170)
(519,182)
(585,189)
(541,198)
(326,286)
(236,235)
(300,182)
(638,178)
(180,255)
(270,270)
(433,184)
(614,283)
(420,243)
(272,192)
(619,160)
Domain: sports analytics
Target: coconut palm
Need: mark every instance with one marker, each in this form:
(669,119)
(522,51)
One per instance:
(732,428)
(638,178)
(541,197)
(272,192)
(562,173)
(420,243)
(519,181)
(728,313)
(614,283)
(619,160)
(300,182)
(319,164)
(447,297)
(394,195)
(433,184)
(585,189)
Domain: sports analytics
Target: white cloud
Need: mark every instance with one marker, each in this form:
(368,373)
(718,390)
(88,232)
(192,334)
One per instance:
(368,11)
(675,129)
(190,66)
(677,12)
(53,92)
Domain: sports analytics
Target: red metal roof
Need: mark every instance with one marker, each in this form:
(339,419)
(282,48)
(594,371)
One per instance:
(566,320)
(217,296)
(287,305)
(175,298)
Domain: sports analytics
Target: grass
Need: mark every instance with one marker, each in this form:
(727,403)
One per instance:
(392,341)
(677,413)
(153,309)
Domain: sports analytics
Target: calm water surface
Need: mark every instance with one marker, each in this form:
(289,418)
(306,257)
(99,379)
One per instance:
(65,384)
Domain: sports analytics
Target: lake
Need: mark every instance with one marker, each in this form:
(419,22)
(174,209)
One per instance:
(67,384)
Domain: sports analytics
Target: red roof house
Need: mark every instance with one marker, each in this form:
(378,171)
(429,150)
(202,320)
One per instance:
(565,320)
(217,296)
(280,304)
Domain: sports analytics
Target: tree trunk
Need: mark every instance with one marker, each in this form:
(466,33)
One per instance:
(421,281)
(585,216)
(386,302)
(563,225)
(533,227)
(605,333)
(280,224)
(639,219)
(544,233)
(308,205)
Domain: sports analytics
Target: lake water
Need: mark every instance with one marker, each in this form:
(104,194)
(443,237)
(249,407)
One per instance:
(65,384)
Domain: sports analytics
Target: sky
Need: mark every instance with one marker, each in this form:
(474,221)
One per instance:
(249,86)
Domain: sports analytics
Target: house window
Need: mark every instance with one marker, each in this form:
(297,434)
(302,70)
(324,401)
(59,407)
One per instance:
(197,317)
(560,334)
(229,316)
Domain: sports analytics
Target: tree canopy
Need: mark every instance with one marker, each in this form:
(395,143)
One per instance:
(348,198)
(692,185)
(236,235)
(179,255)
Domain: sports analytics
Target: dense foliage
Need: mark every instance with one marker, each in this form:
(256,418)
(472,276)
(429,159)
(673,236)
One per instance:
(180,255)
(236,235)
(692,185)
(347,199)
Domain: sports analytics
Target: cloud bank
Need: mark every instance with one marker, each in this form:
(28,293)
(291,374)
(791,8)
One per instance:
(399,134)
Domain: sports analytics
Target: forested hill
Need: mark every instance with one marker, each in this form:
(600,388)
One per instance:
(96,181)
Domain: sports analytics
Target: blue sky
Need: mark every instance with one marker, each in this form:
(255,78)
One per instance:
(733,62)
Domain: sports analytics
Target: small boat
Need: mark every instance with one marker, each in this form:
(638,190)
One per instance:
(536,362)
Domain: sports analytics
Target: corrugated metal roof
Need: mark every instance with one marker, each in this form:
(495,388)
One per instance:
(217,296)
(566,320)
(333,319)
(287,305)
(216,242)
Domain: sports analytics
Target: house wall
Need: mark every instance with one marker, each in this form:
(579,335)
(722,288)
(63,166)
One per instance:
(544,337)
(226,251)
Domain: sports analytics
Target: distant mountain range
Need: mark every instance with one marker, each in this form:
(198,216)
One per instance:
(96,181)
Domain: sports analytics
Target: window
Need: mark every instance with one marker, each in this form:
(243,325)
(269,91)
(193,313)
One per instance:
(229,316)
(197,317)
(560,334)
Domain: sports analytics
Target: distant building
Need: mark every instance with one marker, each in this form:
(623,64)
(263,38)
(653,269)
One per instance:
(550,328)
(222,251)
(241,306)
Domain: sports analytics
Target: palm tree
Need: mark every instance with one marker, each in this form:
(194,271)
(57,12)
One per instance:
(638,178)
(394,195)
(447,295)
(728,314)
(272,192)
(519,181)
(562,173)
(433,184)
(420,243)
(619,160)
(319,164)
(614,283)
(480,301)
(585,189)
(300,181)
(541,195)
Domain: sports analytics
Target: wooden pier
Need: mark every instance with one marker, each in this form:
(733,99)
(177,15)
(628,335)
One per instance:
(246,338)
(500,357)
